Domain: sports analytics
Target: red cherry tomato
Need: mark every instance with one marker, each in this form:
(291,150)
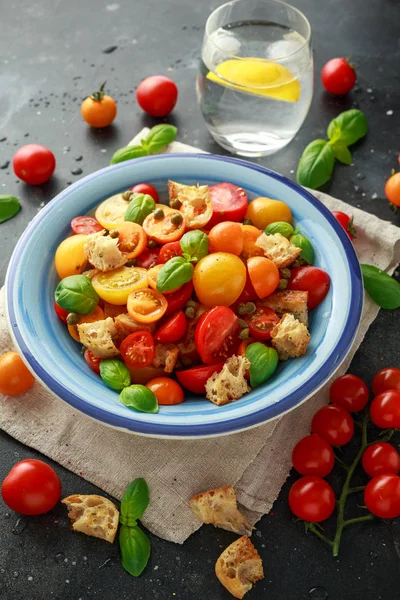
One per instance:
(145,188)
(350,392)
(380,459)
(61,313)
(178,299)
(166,390)
(138,349)
(385,410)
(32,487)
(148,258)
(334,424)
(382,496)
(195,379)
(34,164)
(312,499)
(157,95)
(92,360)
(313,456)
(173,330)
(85,225)
(386,379)
(313,280)
(169,251)
(338,76)
(217,334)
(229,203)
(346,222)
(262,322)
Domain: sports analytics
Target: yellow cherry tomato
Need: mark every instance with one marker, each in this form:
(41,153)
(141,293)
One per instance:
(110,213)
(219,279)
(15,378)
(263,211)
(115,286)
(70,256)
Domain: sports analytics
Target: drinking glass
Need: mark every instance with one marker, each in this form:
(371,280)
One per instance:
(255,82)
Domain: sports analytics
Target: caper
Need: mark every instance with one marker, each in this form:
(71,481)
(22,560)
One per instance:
(151,244)
(244,334)
(250,308)
(73,318)
(190,312)
(187,361)
(284,273)
(191,303)
(158,214)
(114,233)
(242,309)
(242,323)
(282,285)
(247,222)
(127,195)
(176,204)
(176,219)
(300,262)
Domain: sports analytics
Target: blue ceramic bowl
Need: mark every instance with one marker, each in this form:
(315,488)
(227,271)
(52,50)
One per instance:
(55,358)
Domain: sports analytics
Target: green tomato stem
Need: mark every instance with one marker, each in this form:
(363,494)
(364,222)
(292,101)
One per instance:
(321,536)
(368,517)
(359,488)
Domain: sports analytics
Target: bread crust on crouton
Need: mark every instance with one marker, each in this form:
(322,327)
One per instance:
(219,508)
(278,249)
(289,337)
(93,515)
(288,301)
(239,566)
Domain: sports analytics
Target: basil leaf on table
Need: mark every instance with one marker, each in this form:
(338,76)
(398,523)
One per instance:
(341,152)
(383,289)
(158,137)
(140,398)
(139,208)
(134,502)
(115,374)
(348,127)
(173,274)
(307,251)
(316,164)
(9,207)
(127,153)
(263,362)
(135,549)
(76,294)
(194,244)
(281,227)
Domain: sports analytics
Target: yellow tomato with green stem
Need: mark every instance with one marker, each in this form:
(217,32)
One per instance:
(219,279)
(115,286)
(263,211)
(70,258)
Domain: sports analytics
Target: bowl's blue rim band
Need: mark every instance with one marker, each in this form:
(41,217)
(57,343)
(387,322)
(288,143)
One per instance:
(240,423)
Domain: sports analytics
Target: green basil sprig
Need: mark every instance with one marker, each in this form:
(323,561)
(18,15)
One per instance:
(281,227)
(263,362)
(157,138)
(348,127)
(174,273)
(316,164)
(134,502)
(9,207)
(383,289)
(194,245)
(134,543)
(140,398)
(342,153)
(115,374)
(307,251)
(76,294)
(139,208)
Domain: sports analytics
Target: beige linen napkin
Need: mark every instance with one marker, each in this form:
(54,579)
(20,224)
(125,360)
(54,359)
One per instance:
(255,462)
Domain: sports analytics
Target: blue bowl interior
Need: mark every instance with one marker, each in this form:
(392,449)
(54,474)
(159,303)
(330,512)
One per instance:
(56,358)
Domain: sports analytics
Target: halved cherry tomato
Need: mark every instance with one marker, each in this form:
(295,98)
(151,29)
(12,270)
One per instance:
(92,360)
(61,313)
(229,203)
(110,213)
(195,379)
(166,390)
(132,239)
(386,379)
(217,334)
(312,280)
(148,258)
(138,349)
(334,424)
(178,299)
(146,305)
(250,236)
(261,322)
(169,251)
(264,275)
(96,315)
(152,275)
(145,188)
(85,225)
(163,230)
(115,286)
(226,237)
(173,330)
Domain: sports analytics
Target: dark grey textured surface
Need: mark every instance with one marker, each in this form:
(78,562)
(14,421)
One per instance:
(51,56)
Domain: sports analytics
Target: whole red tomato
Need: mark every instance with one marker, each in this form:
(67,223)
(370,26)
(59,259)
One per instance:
(312,499)
(338,76)
(313,456)
(32,487)
(380,459)
(382,496)
(350,392)
(385,410)
(157,95)
(334,424)
(346,222)
(34,164)
(386,379)
(145,188)
(313,280)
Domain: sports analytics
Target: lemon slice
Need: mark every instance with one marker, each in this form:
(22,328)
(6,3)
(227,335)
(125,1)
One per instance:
(258,77)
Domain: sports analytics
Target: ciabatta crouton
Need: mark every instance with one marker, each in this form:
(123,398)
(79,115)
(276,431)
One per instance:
(166,357)
(230,383)
(195,201)
(288,301)
(290,338)
(98,337)
(239,566)
(113,310)
(125,325)
(93,515)
(219,508)
(278,249)
(102,251)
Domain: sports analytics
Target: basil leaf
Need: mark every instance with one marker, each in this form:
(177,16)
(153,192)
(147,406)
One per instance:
(263,362)
(383,289)
(127,153)
(160,136)
(139,208)
(307,251)
(352,125)
(316,164)
(135,549)
(76,294)
(281,227)
(134,502)
(173,274)
(140,398)
(341,152)
(115,374)
(194,244)
(9,207)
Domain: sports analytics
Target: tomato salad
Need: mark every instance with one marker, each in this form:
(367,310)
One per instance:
(207,293)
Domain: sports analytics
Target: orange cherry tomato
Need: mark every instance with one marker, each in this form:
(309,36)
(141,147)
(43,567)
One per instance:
(15,378)
(250,236)
(392,189)
(132,239)
(146,305)
(96,315)
(152,275)
(99,110)
(264,275)
(164,230)
(227,237)
(167,391)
